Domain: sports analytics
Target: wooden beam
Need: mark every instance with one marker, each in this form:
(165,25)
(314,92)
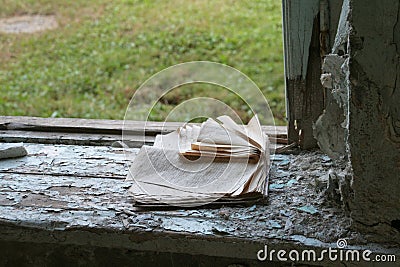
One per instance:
(66,138)
(95,126)
(304,92)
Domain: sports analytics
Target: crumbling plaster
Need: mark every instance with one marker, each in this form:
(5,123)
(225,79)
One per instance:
(374,115)
(361,121)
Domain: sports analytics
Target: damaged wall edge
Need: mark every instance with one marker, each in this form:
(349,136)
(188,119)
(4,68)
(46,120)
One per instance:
(361,121)
(374,116)
(330,130)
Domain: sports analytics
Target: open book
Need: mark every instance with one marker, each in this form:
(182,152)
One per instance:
(218,161)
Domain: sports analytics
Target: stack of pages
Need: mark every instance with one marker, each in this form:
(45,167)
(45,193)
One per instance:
(217,161)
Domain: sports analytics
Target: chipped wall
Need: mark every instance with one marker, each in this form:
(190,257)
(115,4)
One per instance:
(374,115)
(330,129)
(362,117)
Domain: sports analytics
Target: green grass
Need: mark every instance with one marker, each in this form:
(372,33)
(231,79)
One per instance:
(103,50)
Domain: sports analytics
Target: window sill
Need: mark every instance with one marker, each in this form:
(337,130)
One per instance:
(71,193)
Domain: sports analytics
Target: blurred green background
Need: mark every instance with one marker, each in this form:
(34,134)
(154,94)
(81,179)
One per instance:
(102,51)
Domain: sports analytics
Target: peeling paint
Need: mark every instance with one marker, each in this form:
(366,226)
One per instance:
(374,99)
(88,207)
(362,117)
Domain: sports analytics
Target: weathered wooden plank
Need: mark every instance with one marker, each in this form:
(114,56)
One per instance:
(83,139)
(56,193)
(72,125)
(304,92)
(76,125)
(298,20)
(335,8)
(97,211)
(72,160)
(87,139)
(44,192)
(172,242)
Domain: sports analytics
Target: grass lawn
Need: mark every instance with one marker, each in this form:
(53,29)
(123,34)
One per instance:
(102,51)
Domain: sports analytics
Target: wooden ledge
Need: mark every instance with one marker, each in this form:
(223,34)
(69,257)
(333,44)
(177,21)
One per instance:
(75,195)
(73,125)
(70,131)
